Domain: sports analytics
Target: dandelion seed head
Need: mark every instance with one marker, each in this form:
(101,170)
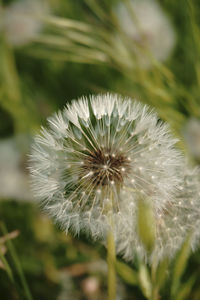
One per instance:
(87,164)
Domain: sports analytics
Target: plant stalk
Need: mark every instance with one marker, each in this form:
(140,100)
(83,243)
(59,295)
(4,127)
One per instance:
(111,259)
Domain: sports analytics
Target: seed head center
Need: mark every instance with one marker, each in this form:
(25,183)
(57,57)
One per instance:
(107,168)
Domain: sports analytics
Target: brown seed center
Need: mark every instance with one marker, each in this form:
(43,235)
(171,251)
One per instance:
(106,167)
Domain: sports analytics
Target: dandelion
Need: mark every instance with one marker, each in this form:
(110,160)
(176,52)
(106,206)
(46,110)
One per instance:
(146,30)
(20,22)
(95,160)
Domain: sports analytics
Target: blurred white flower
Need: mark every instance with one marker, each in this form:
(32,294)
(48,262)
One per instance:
(95,160)
(150,31)
(14,181)
(20,21)
(191,134)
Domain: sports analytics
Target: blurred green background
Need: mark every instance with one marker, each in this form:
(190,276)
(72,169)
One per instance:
(64,50)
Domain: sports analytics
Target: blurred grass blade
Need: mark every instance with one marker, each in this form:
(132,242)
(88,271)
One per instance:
(179,266)
(185,289)
(17,263)
(67,23)
(129,275)
(60,56)
(6,266)
(162,272)
(145,281)
(54,40)
(98,10)
(146,224)
(11,235)
(11,98)
(195,34)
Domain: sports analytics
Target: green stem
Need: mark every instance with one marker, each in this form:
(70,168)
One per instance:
(111,258)
(155,293)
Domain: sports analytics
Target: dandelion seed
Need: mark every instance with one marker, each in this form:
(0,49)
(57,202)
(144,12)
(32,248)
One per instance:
(95,169)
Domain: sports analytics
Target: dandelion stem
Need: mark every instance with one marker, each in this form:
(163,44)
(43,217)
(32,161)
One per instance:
(155,294)
(111,266)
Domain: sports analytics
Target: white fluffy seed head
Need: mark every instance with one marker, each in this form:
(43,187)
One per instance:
(94,159)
